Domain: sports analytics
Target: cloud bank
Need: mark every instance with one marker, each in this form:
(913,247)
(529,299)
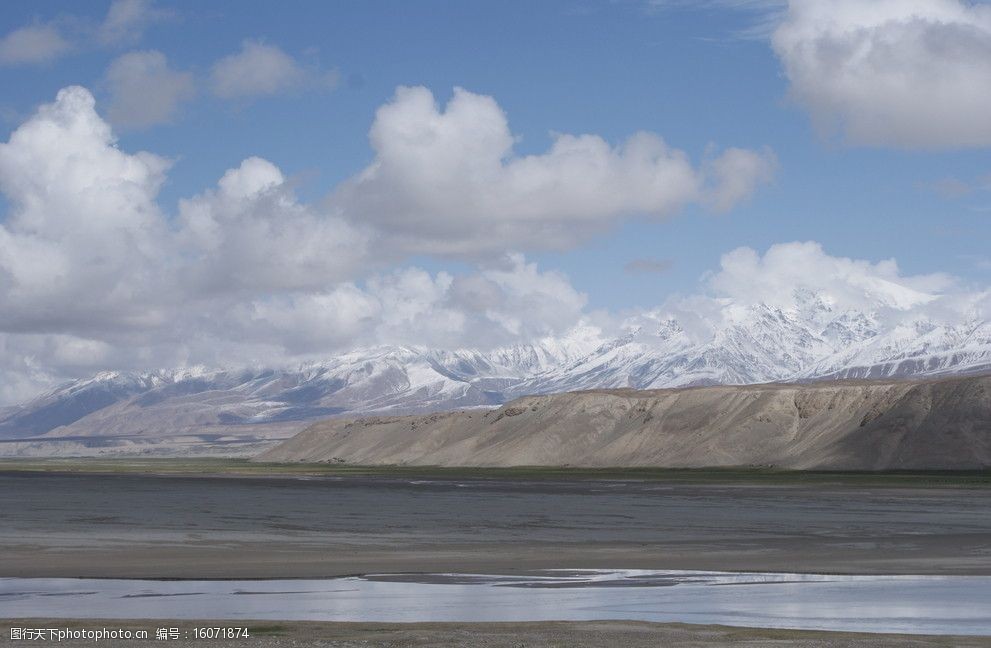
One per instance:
(803,280)
(901,73)
(95,274)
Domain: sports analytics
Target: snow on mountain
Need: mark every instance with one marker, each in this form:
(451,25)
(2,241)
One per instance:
(807,337)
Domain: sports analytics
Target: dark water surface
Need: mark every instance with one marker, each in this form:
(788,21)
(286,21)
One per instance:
(120,508)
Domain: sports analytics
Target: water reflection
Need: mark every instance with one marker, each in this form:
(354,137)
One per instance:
(908,604)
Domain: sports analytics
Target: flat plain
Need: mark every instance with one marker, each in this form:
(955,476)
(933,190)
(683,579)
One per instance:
(159,520)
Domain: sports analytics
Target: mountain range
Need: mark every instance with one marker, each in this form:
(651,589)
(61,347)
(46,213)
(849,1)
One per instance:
(241,411)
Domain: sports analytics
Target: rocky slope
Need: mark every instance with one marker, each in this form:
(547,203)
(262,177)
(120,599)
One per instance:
(850,425)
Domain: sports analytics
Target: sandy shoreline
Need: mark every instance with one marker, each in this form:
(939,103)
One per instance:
(629,634)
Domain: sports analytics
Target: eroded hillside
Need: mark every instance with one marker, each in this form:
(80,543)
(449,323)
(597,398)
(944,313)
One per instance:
(942,424)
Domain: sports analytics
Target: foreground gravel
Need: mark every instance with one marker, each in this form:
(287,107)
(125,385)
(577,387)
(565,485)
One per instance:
(478,635)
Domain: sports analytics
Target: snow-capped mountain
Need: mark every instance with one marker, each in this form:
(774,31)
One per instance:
(810,339)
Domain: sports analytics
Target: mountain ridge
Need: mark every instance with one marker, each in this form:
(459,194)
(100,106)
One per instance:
(811,340)
(940,424)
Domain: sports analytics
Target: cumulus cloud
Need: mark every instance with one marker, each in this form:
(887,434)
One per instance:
(310,322)
(95,274)
(127,20)
(92,276)
(259,69)
(903,73)
(808,284)
(144,90)
(21,374)
(508,302)
(733,176)
(251,234)
(85,249)
(448,182)
(771,278)
(124,24)
(31,45)
(502,304)
(82,221)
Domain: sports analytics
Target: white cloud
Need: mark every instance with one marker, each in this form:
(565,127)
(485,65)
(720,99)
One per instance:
(492,306)
(749,277)
(808,284)
(21,374)
(448,182)
(127,20)
(85,247)
(83,227)
(144,90)
(94,274)
(124,24)
(31,45)
(260,69)
(304,323)
(251,234)
(903,73)
(500,304)
(734,176)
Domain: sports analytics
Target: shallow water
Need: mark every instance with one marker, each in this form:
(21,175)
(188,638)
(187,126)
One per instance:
(902,604)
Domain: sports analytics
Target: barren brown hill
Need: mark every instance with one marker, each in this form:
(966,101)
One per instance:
(940,424)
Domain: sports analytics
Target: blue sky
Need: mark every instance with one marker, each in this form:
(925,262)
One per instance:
(699,75)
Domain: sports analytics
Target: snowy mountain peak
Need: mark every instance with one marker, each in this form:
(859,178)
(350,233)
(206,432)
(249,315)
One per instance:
(810,339)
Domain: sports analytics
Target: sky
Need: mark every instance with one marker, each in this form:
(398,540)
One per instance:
(269,183)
